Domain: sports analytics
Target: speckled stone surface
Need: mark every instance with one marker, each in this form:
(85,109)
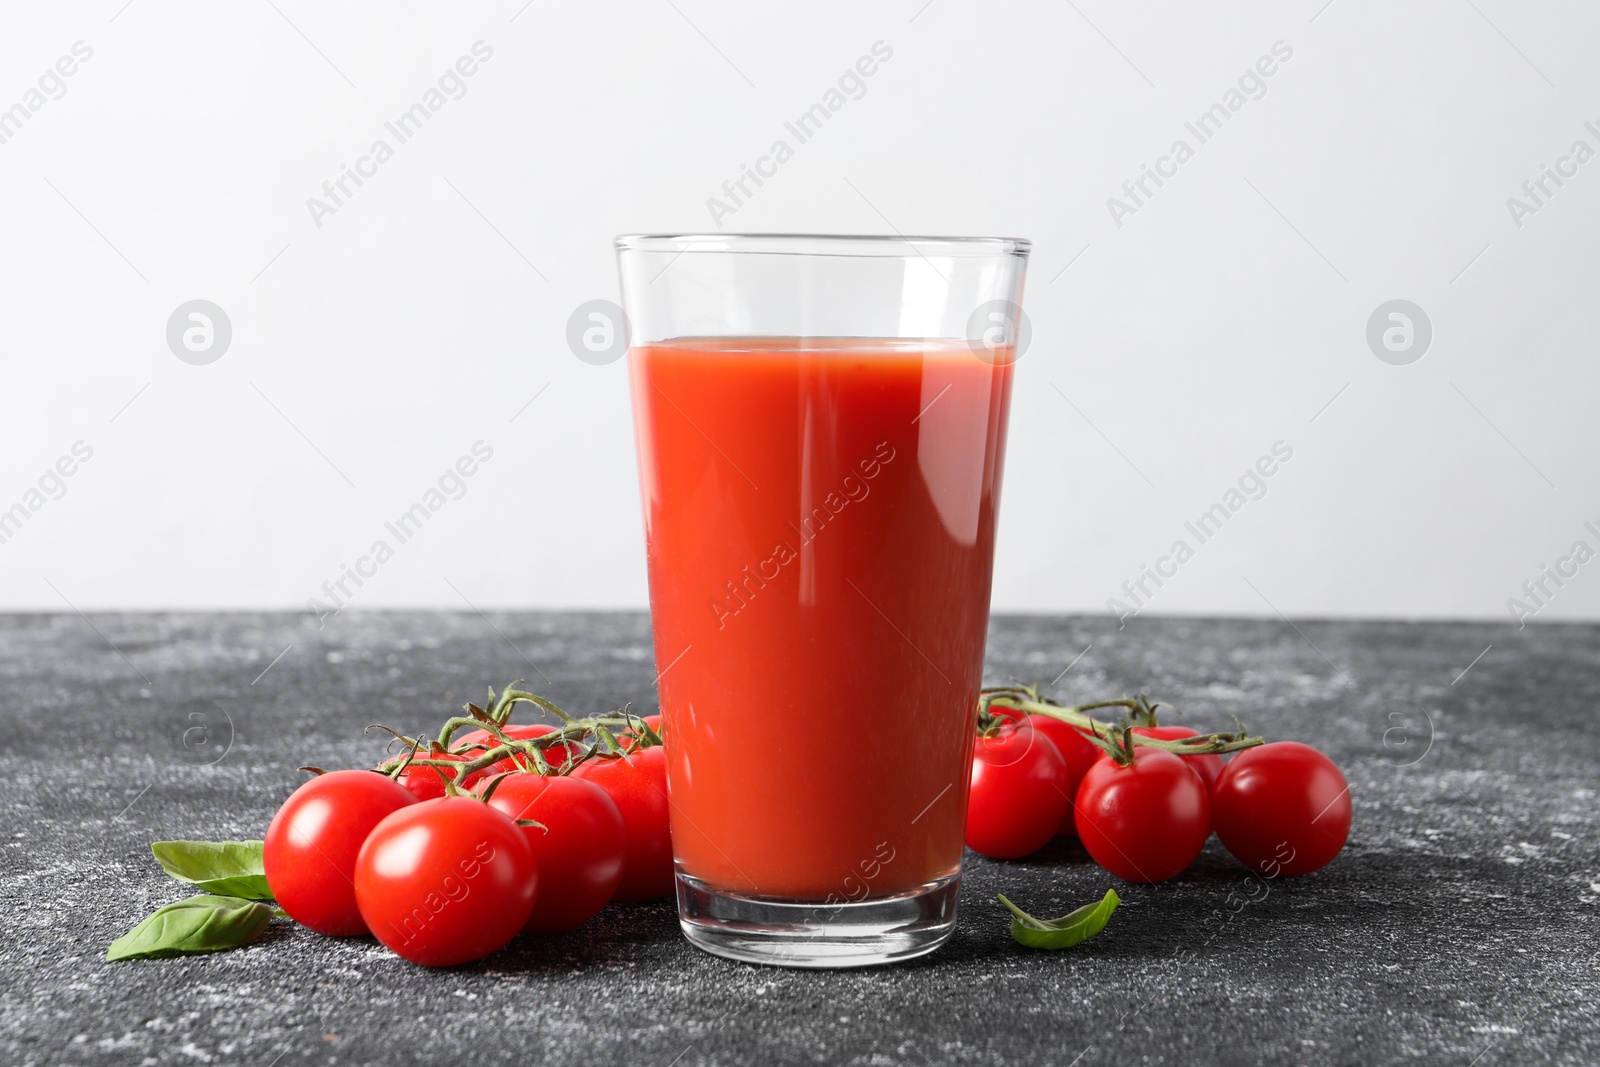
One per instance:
(1460,925)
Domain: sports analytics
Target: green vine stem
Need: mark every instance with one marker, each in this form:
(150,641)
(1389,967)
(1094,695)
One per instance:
(1117,739)
(600,737)
(595,737)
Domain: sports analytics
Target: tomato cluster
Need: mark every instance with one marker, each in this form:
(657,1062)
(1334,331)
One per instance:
(534,833)
(449,851)
(1142,811)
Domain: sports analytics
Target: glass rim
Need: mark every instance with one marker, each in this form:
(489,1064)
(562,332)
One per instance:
(823,244)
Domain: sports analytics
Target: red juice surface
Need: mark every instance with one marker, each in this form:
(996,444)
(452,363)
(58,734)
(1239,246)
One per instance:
(820,520)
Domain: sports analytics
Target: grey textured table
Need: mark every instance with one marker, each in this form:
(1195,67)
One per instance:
(1459,926)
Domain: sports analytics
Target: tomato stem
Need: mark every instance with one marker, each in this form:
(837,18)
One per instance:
(1116,739)
(582,739)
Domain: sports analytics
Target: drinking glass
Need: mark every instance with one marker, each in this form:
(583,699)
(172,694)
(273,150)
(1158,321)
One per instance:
(821,427)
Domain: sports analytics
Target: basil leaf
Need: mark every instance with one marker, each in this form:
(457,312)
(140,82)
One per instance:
(230,868)
(199,924)
(1071,928)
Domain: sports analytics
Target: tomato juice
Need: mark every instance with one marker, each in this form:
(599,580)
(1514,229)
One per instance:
(820,520)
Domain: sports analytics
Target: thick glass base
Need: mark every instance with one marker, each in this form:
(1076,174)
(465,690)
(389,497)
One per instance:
(797,934)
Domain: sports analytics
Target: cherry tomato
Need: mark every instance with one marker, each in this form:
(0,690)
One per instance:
(1282,808)
(1079,753)
(654,722)
(480,739)
(1018,793)
(638,783)
(1146,821)
(480,742)
(559,757)
(425,782)
(445,881)
(309,854)
(580,850)
(1207,767)
(1000,711)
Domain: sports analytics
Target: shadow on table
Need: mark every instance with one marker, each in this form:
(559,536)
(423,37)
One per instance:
(622,933)
(1215,907)
(1406,900)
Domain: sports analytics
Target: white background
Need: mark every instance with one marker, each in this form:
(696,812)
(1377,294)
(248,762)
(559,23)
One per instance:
(1169,353)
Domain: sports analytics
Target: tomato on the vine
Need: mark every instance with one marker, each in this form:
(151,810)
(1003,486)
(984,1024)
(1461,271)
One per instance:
(638,784)
(1079,753)
(481,741)
(653,721)
(427,782)
(1207,766)
(1018,793)
(1005,713)
(580,846)
(1281,808)
(445,881)
(1144,821)
(309,854)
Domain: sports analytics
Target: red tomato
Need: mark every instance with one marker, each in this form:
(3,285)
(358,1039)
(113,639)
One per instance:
(1018,793)
(557,756)
(1000,711)
(309,854)
(1079,753)
(1282,808)
(654,722)
(427,783)
(1146,821)
(1207,766)
(480,740)
(580,850)
(446,881)
(638,783)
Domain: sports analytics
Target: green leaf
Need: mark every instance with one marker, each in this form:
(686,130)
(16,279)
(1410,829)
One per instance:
(1071,928)
(199,924)
(230,868)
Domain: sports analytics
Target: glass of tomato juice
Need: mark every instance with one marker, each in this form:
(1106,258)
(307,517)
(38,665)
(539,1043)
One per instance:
(821,425)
